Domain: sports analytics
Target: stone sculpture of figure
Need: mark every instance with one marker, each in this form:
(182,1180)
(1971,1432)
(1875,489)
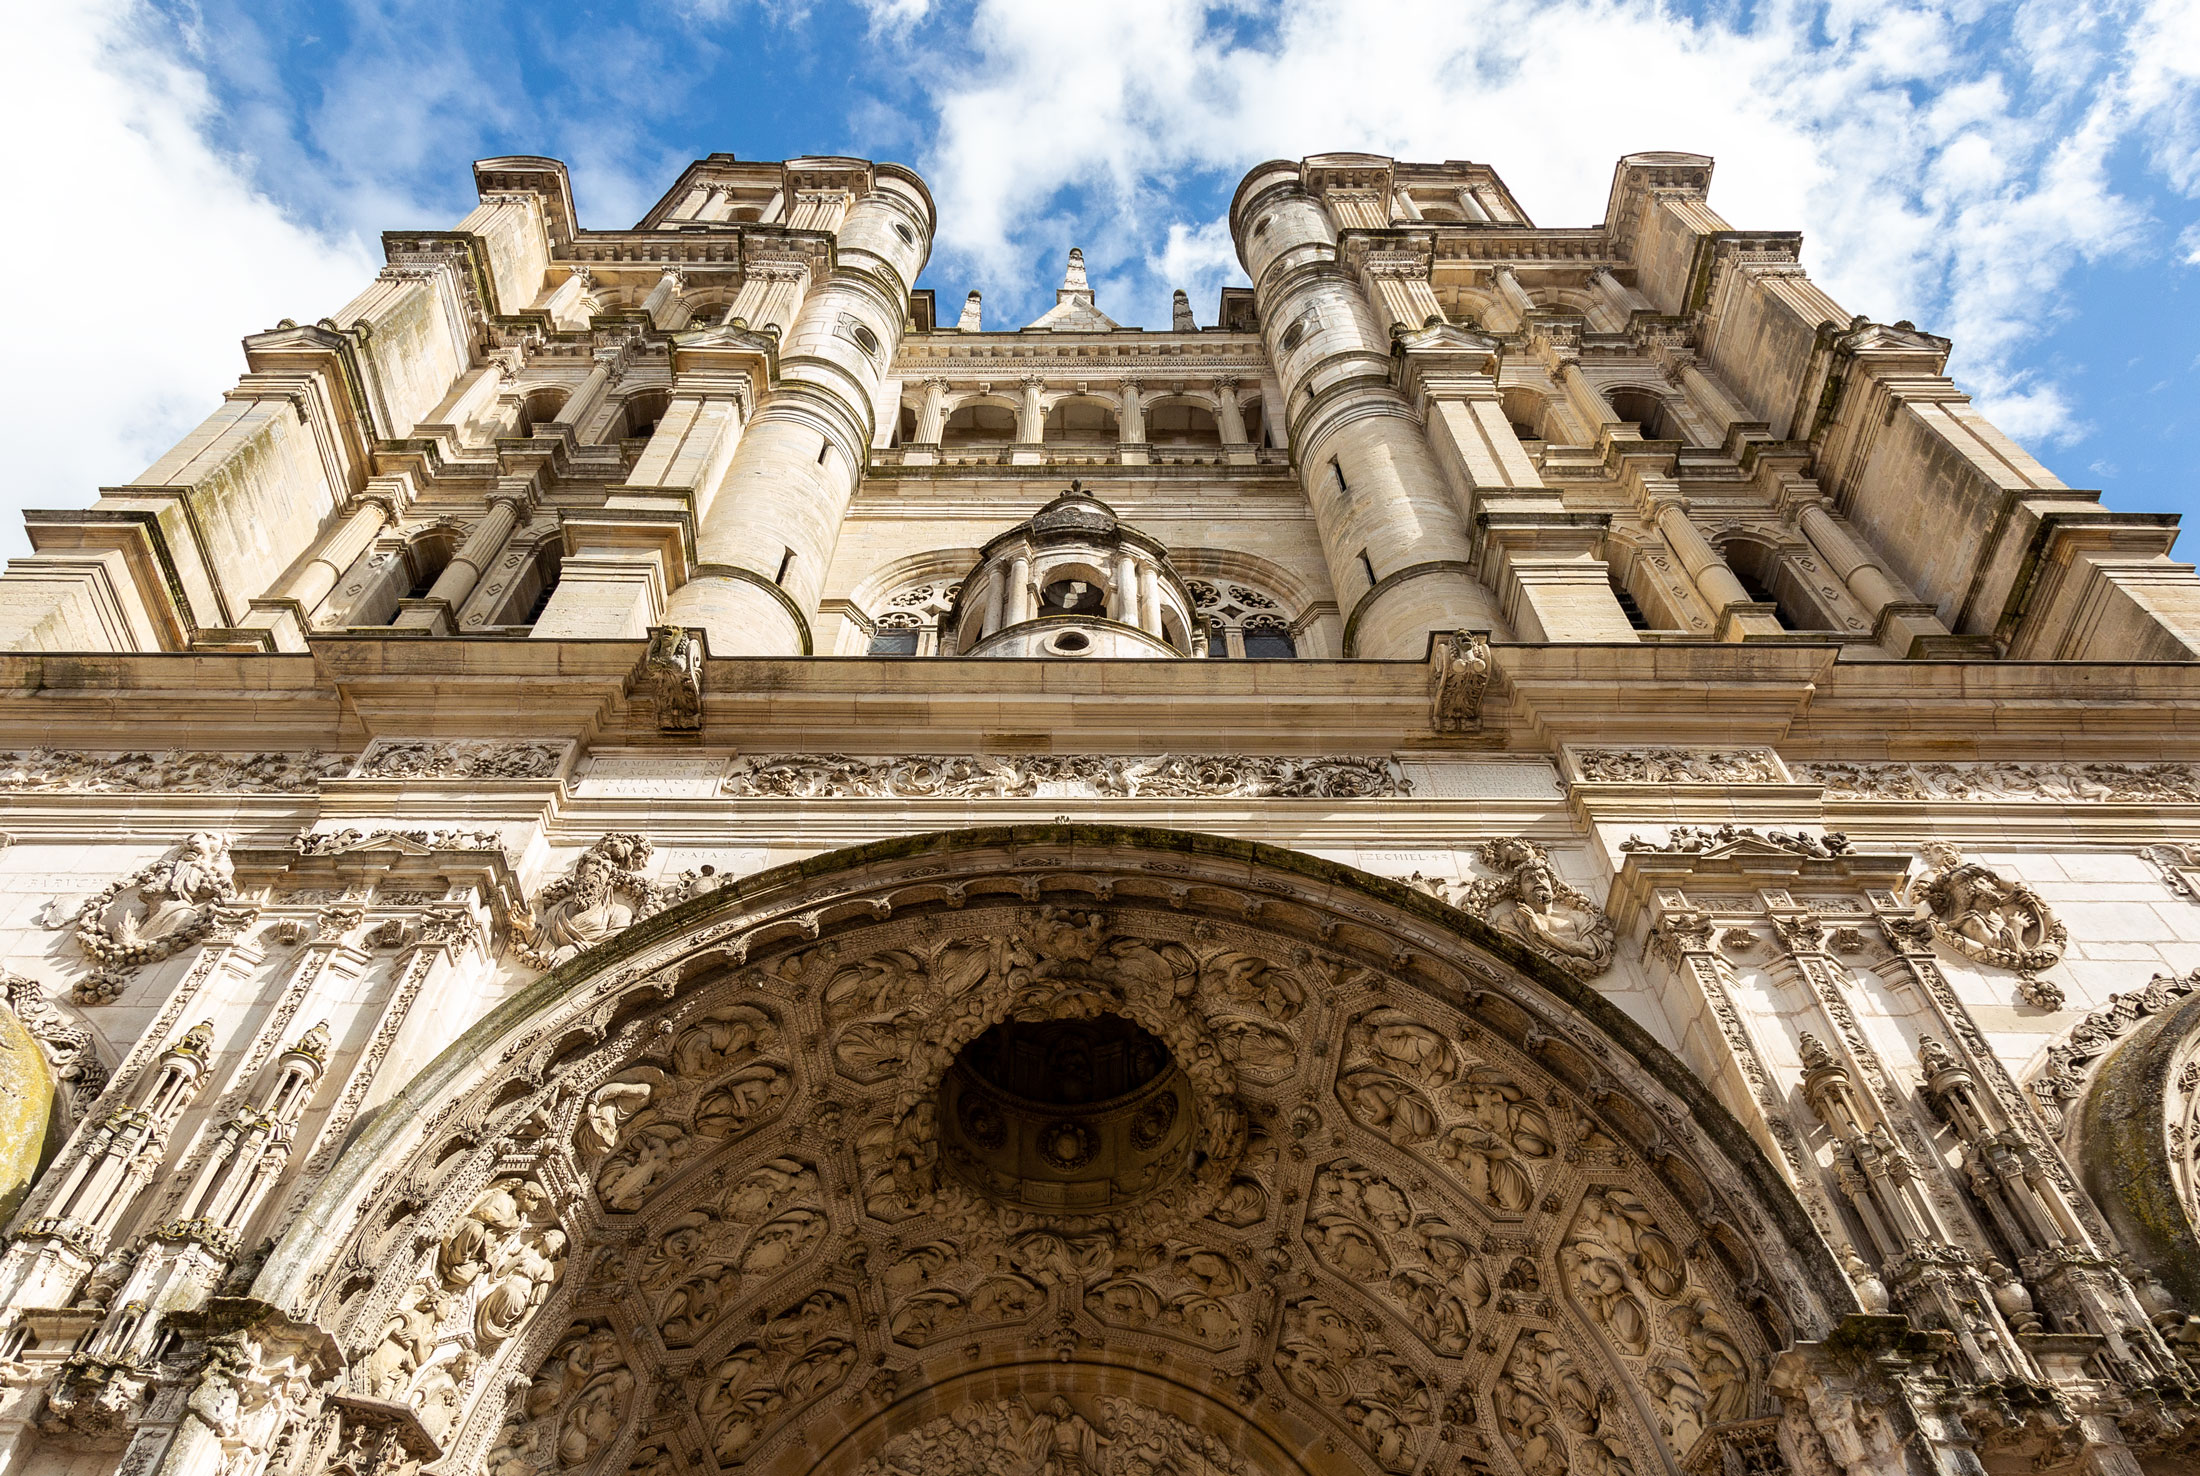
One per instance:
(610,1107)
(1527,899)
(154,912)
(600,899)
(170,894)
(524,1276)
(1460,675)
(673,673)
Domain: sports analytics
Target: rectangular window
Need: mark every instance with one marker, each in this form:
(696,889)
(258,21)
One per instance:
(894,643)
(786,567)
(1367,567)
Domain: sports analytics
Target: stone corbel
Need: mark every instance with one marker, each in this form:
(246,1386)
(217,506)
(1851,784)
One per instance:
(671,675)
(1459,675)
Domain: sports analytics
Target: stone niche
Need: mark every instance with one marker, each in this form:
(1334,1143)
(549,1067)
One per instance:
(1076,1116)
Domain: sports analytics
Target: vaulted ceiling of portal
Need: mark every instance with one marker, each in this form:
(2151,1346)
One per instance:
(1098,1147)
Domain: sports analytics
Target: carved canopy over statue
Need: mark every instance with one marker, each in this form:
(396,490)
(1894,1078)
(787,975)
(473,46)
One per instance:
(1368,1196)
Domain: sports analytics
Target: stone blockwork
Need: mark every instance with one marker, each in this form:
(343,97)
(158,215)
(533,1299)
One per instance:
(1536,851)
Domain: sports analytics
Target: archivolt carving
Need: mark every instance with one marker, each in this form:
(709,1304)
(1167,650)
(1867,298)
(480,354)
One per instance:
(2140,783)
(1010,1435)
(68,1047)
(1412,1165)
(483,1281)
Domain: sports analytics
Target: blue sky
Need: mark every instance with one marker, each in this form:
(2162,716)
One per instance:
(2022,178)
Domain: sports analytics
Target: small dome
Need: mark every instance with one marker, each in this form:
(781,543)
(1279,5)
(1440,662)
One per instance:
(1074,511)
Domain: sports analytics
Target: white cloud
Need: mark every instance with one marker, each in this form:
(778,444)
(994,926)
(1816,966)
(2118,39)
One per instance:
(138,259)
(1942,170)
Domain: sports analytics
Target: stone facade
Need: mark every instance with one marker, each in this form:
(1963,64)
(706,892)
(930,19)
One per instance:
(1535,852)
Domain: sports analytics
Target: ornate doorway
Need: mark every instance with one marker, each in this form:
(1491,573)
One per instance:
(1064,1150)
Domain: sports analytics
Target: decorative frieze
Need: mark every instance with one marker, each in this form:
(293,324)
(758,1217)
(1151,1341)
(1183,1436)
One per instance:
(338,842)
(2121,783)
(462,758)
(1699,840)
(1679,766)
(176,771)
(1063,776)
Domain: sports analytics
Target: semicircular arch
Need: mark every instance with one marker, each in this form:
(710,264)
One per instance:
(700,1199)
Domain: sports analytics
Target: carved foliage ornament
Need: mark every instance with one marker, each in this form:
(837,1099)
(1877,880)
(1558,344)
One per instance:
(2123,783)
(1984,916)
(1367,1222)
(466,758)
(153,912)
(1698,840)
(1679,766)
(2062,1080)
(1528,899)
(68,1047)
(176,770)
(1069,776)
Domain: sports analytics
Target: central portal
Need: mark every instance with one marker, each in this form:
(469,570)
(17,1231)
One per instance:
(1066,1116)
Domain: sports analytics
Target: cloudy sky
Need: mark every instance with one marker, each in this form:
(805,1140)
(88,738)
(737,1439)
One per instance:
(2023,178)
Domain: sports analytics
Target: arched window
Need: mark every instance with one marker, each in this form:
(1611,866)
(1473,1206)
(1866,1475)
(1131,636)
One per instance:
(1529,413)
(1186,424)
(910,621)
(539,409)
(533,590)
(1241,621)
(1769,579)
(426,557)
(1079,420)
(982,423)
(896,633)
(1648,411)
(1267,638)
(905,425)
(638,415)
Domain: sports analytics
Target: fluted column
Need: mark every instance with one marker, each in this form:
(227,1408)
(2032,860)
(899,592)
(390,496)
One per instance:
(1030,417)
(511,501)
(375,510)
(1714,581)
(932,412)
(1899,621)
(664,295)
(582,402)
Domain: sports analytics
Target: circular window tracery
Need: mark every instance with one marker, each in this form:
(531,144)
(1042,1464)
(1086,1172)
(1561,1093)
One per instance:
(1242,621)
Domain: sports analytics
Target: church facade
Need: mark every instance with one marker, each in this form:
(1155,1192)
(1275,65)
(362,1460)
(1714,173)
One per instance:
(1526,850)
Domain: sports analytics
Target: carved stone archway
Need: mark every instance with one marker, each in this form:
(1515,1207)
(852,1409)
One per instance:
(700,1200)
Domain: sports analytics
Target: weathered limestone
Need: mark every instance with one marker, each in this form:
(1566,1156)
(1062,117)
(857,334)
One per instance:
(1526,854)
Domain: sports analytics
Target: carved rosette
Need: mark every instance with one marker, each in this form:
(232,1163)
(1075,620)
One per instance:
(1422,1189)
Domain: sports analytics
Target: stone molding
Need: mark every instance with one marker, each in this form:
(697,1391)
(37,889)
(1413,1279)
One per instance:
(462,758)
(2115,782)
(1677,765)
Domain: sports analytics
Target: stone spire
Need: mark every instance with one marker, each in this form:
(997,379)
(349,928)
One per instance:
(972,312)
(1074,310)
(1181,310)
